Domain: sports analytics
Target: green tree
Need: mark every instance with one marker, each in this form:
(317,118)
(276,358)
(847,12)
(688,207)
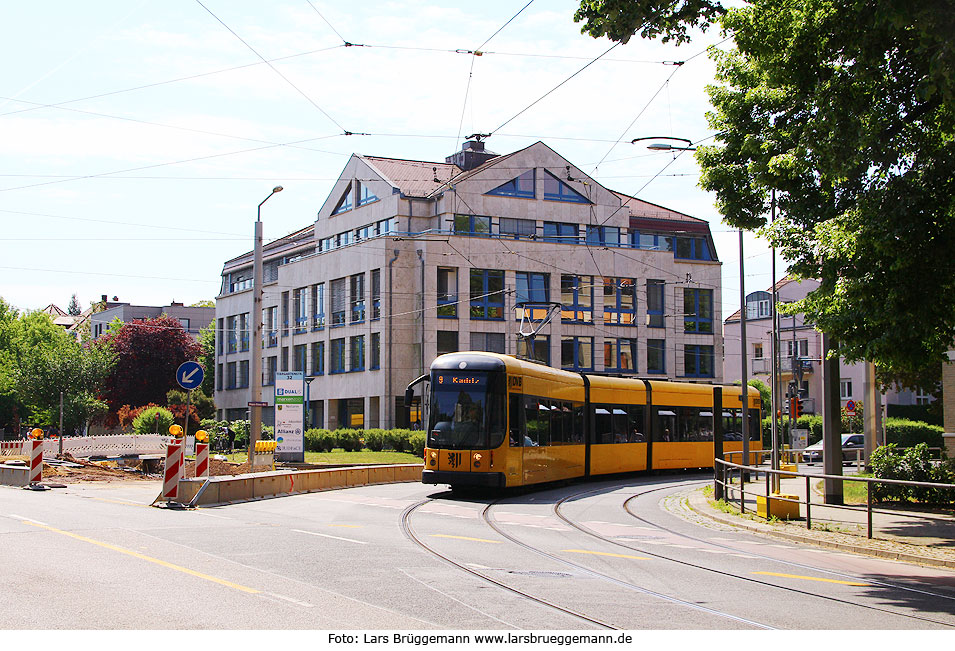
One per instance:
(11,408)
(74,308)
(845,109)
(204,303)
(207,358)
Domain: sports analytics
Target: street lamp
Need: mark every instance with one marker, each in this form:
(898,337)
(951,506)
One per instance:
(665,146)
(255,411)
(308,406)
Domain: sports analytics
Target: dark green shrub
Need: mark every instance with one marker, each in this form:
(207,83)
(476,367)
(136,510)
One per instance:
(319,440)
(909,433)
(886,462)
(911,464)
(398,439)
(348,439)
(145,423)
(375,439)
(417,442)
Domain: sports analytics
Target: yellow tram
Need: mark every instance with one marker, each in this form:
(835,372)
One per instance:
(499,421)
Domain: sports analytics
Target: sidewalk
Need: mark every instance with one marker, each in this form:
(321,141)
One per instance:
(921,537)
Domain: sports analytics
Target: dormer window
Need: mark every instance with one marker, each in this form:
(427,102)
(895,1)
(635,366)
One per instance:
(759,305)
(365,195)
(520,186)
(557,190)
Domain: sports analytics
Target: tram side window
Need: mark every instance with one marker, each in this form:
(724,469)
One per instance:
(578,424)
(695,424)
(495,417)
(567,416)
(664,424)
(514,415)
(635,424)
(537,422)
(603,424)
(619,424)
(732,431)
(556,423)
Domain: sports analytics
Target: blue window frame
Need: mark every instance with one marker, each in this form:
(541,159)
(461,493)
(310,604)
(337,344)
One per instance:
(365,195)
(536,348)
(656,356)
(517,228)
(557,190)
(655,304)
(532,287)
(447,293)
(698,311)
(345,203)
(318,306)
(620,355)
(577,299)
(472,225)
(603,235)
(318,358)
(337,356)
(520,186)
(375,294)
(692,248)
(487,294)
(651,241)
(577,353)
(697,361)
(375,351)
(356,357)
(561,232)
(357,298)
(620,301)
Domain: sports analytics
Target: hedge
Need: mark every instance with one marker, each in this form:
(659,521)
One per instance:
(911,464)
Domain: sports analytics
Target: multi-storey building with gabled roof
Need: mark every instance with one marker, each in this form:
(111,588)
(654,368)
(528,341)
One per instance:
(411,259)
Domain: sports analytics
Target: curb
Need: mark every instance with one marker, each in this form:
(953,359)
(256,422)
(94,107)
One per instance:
(700,505)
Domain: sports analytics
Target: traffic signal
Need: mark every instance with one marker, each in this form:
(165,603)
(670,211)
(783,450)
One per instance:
(796,409)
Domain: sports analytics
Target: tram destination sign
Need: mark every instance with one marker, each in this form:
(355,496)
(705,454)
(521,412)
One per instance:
(462,380)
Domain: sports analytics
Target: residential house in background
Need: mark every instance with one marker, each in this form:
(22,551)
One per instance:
(193,319)
(411,259)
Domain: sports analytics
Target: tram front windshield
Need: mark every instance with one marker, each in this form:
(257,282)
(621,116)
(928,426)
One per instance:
(467,410)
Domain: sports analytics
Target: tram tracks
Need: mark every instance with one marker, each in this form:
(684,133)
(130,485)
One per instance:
(803,566)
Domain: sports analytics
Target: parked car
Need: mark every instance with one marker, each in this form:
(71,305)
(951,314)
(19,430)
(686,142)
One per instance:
(850,443)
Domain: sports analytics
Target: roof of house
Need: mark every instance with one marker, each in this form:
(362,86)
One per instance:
(779,285)
(415,178)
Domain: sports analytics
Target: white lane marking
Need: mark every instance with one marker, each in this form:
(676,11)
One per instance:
(304,604)
(325,535)
(20,517)
(744,556)
(453,598)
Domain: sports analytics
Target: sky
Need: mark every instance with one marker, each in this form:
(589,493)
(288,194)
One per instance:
(139,136)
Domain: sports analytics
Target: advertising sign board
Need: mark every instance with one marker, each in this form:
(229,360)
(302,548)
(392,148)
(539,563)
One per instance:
(289,403)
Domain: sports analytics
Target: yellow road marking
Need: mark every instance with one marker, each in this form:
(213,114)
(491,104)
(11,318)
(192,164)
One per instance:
(150,559)
(441,535)
(584,551)
(810,578)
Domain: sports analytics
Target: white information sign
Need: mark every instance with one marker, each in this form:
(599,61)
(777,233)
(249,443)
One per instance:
(289,402)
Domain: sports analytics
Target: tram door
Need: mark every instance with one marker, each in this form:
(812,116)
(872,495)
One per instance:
(513,467)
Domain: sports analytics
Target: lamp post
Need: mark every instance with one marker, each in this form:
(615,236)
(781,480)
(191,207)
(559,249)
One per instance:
(255,411)
(665,146)
(307,413)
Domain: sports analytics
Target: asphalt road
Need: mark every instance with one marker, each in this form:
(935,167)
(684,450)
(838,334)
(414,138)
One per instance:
(625,554)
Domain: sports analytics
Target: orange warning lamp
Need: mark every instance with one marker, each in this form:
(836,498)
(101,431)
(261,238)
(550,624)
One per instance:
(202,436)
(176,430)
(36,433)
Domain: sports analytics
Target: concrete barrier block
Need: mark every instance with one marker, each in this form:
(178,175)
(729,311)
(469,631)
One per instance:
(14,475)
(381,474)
(235,489)
(356,476)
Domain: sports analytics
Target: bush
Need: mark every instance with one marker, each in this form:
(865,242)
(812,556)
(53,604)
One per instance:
(417,442)
(375,439)
(348,439)
(912,464)
(813,423)
(319,440)
(398,439)
(909,433)
(145,422)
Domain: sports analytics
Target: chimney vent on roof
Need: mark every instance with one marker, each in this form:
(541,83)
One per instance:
(472,154)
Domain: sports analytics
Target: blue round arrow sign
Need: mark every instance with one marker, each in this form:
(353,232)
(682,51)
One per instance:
(189,375)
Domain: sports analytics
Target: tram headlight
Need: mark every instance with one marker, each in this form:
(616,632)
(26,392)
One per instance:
(476,457)
(434,458)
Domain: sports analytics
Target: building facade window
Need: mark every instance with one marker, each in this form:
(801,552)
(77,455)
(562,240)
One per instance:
(219,374)
(338,302)
(375,351)
(655,304)
(620,355)
(365,196)
(375,294)
(231,336)
(532,287)
(490,342)
(758,351)
(517,228)
(284,305)
(472,225)
(651,241)
(270,326)
(345,203)
(798,348)
(271,365)
(557,190)
(845,389)
(284,353)
(242,381)
(356,357)
(318,306)
(520,186)
(698,361)
(300,309)
(536,348)
(656,356)
(243,327)
(561,233)
(447,292)
(300,358)
(220,336)
(318,358)
(487,294)
(577,353)
(336,358)
(357,298)
(577,298)
(759,305)
(620,301)
(603,236)
(231,375)
(447,341)
(692,248)
(698,311)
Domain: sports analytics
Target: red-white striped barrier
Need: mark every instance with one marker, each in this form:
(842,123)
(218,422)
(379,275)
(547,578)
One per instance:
(36,461)
(11,448)
(202,459)
(170,484)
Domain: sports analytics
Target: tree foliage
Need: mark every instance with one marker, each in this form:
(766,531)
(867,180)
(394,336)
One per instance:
(74,308)
(148,353)
(844,108)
